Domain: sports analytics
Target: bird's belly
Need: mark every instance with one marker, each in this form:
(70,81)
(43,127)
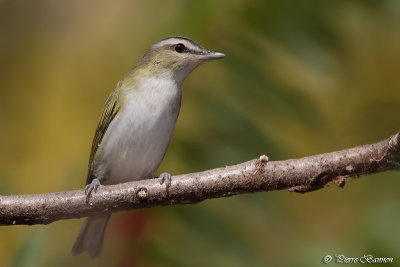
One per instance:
(136,142)
(136,156)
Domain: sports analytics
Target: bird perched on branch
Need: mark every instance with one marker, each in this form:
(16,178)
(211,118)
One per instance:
(137,123)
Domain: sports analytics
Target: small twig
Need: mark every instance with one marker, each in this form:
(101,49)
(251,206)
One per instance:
(298,175)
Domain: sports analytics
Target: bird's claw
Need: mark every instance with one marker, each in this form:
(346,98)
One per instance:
(165,179)
(90,187)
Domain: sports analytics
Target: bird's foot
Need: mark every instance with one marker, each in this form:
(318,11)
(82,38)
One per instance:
(165,179)
(90,187)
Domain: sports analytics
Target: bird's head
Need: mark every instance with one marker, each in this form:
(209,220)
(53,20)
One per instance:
(175,55)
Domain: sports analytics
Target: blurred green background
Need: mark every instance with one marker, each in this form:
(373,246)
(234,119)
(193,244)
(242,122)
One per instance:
(300,78)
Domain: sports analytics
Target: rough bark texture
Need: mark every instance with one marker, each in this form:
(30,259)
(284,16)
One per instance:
(298,175)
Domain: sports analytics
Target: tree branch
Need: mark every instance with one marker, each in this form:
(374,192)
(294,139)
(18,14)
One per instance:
(298,175)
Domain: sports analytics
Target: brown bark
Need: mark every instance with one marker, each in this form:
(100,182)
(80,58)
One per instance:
(298,175)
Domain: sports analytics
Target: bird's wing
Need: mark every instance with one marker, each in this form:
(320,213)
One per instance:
(109,112)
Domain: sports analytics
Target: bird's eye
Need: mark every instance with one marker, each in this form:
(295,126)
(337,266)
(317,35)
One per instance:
(180,48)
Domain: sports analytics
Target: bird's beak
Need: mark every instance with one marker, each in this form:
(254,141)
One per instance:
(209,55)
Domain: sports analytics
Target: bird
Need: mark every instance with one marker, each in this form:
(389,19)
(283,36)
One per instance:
(136,125)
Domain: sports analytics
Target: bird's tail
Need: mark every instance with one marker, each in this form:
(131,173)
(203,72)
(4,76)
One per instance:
(91,236)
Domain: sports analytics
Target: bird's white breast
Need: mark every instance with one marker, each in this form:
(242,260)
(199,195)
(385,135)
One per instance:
(138,137)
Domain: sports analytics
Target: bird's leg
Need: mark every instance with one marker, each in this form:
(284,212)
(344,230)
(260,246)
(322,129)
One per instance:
(94,184)
(165,178)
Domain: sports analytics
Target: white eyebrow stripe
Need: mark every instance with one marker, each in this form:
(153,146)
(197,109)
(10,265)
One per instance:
(170,41)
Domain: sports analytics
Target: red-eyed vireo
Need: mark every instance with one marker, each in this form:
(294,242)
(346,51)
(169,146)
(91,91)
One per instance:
(137,123)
